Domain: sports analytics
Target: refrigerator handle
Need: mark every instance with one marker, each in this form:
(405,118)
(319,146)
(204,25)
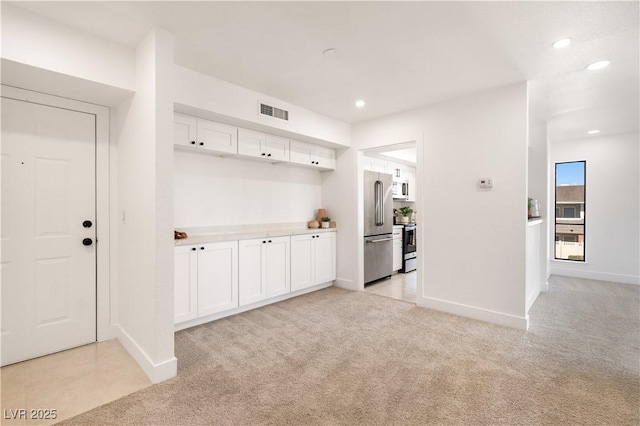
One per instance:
(379,203)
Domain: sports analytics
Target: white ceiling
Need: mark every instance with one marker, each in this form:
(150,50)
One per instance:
(398,55)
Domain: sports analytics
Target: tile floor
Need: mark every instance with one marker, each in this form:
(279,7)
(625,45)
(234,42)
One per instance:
(400,286)
(70,382)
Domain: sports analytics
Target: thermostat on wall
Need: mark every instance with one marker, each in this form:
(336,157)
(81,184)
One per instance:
(485,182)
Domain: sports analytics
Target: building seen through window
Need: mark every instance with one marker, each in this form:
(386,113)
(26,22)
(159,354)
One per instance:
(570,211)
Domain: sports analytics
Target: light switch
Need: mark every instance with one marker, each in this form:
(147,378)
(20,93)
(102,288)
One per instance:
(485,182)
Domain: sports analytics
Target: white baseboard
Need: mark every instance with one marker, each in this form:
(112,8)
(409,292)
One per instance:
(545,287)
(239,310)
(591,275)
(156,372)
(346,284)
(476,313)
(531,299)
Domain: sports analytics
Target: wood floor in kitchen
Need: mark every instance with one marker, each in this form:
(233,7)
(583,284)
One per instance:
(400,286)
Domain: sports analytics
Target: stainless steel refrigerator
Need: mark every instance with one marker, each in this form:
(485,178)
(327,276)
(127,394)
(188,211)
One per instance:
(378,226)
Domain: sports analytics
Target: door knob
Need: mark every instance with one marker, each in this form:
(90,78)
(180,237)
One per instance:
(87,224)
(87,241)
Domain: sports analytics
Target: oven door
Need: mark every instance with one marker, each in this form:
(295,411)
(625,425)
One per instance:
(409,240)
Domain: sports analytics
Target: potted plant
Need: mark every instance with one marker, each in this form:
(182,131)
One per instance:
(405,212)
(325,221)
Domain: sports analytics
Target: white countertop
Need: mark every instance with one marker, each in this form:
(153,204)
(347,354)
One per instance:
(203,235)
(534,221)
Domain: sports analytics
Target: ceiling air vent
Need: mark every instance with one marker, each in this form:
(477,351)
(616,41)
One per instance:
(272,111)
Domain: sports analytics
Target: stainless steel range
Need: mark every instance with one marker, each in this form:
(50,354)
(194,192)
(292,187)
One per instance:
(409,258)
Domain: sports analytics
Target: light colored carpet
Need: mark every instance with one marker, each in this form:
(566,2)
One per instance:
(335,357)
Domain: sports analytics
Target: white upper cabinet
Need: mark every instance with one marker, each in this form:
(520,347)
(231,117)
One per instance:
(260,145)
(184,130)
(313,155)
(204,134)
(223,139)
(277,147)
(377,165)
(217,137)
(251,143)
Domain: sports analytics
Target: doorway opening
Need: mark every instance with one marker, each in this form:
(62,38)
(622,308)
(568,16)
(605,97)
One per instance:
(391,272)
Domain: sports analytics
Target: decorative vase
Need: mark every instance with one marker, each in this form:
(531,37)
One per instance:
(325,224)
(321,213)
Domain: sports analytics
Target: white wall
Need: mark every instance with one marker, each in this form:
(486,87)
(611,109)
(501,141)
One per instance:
(42,43)
(537,184)
(214,191)
(474,240)
(612,240)
(240,105)
(145,257)
(339,195)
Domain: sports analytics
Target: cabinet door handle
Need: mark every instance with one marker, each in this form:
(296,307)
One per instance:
(193,142)
(268,155)
(201,248)
(313,236)
(201,143)
(264,242)
(269,240)
(193,248)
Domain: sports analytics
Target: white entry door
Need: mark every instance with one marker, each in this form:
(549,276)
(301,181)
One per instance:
(48,255)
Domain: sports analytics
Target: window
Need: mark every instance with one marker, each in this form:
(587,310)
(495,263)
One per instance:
(570,211)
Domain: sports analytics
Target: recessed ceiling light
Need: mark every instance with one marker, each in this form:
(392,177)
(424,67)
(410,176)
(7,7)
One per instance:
(598,65)
(593,132)
(561,44)
(330,52)
(360,103)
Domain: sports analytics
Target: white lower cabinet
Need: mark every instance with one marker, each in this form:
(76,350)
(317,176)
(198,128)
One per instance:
(205,280)
(185,284)
(397,248)
(313,259)
(264,269)
(217,277)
